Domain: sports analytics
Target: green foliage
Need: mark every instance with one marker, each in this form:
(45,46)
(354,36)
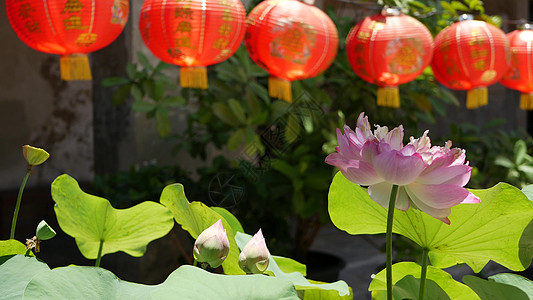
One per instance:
(406,278)
(92,220)
(128,188)
(500,219)
(496,155)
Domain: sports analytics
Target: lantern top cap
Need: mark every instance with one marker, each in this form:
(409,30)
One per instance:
(525,26)
(391,11)
(310,2)
(466,17)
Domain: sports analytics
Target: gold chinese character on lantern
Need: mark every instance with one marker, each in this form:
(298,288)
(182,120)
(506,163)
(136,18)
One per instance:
(183,26)
(25,10)
(33,26)
(183,41)
(224,29)
(220,43)
(86,39)
(480,65)
(226,15)
(72,6)
(73,22)
(183,12)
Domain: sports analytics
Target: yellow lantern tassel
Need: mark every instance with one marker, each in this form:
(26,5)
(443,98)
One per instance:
(389,96)
(526,101)
(476,97)
(193,77)
(279,88)
(75,67)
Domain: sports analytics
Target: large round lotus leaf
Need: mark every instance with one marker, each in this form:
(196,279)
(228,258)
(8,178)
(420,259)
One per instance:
(497,228)
(91,220)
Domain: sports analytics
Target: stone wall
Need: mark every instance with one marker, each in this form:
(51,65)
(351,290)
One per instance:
(37,108)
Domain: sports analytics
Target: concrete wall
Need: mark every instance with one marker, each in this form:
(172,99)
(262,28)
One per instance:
(37,108)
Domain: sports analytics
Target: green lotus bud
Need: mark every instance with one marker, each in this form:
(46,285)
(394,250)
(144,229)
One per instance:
(254,256)
(33,155)
(212,245)
(44,231)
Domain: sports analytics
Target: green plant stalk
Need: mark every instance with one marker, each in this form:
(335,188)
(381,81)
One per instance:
(19,199)
(99,256)
(390,217)
(423,274)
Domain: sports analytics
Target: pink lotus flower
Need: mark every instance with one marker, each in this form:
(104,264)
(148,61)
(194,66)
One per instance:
(432,179)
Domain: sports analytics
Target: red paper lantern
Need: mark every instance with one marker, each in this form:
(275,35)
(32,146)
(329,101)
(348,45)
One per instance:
(389,49)
(70,28)
(291,40)
(470,55)
(192,34)
(520,75)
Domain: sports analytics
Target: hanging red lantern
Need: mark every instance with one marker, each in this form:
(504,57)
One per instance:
(389,49)
(192,34)
(70,28)
(471,55)
(291,40)
(520,75)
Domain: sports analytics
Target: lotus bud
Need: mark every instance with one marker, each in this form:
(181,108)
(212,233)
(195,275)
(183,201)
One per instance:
(33,155)
(212,245)
(254,256)
(44,231)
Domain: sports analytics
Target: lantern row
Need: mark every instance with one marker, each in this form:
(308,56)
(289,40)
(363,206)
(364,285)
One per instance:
(290,39)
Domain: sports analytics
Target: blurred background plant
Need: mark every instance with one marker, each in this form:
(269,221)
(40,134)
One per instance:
(277,149)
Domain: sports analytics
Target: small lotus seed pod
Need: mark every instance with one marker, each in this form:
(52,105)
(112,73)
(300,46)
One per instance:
(44,231)
(33,155)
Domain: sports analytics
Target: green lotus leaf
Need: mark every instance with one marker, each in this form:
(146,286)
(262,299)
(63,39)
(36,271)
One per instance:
(195,217)
(16,271)
(496,228)
(12,247)
(186,282)
(489,290)
(438,281)
(77,282)
(518,281)
(306,288)
(196,284)
(91,220)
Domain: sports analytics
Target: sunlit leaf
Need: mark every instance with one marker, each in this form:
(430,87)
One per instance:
(454,289)
(493,229)
(91,219)
(196,284)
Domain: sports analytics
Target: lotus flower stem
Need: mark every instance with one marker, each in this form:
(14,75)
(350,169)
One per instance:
(423,274)
(388,246)
(99,256)
(17,206)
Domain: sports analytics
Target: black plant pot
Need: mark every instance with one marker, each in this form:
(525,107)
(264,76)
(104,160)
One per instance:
(323,266)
